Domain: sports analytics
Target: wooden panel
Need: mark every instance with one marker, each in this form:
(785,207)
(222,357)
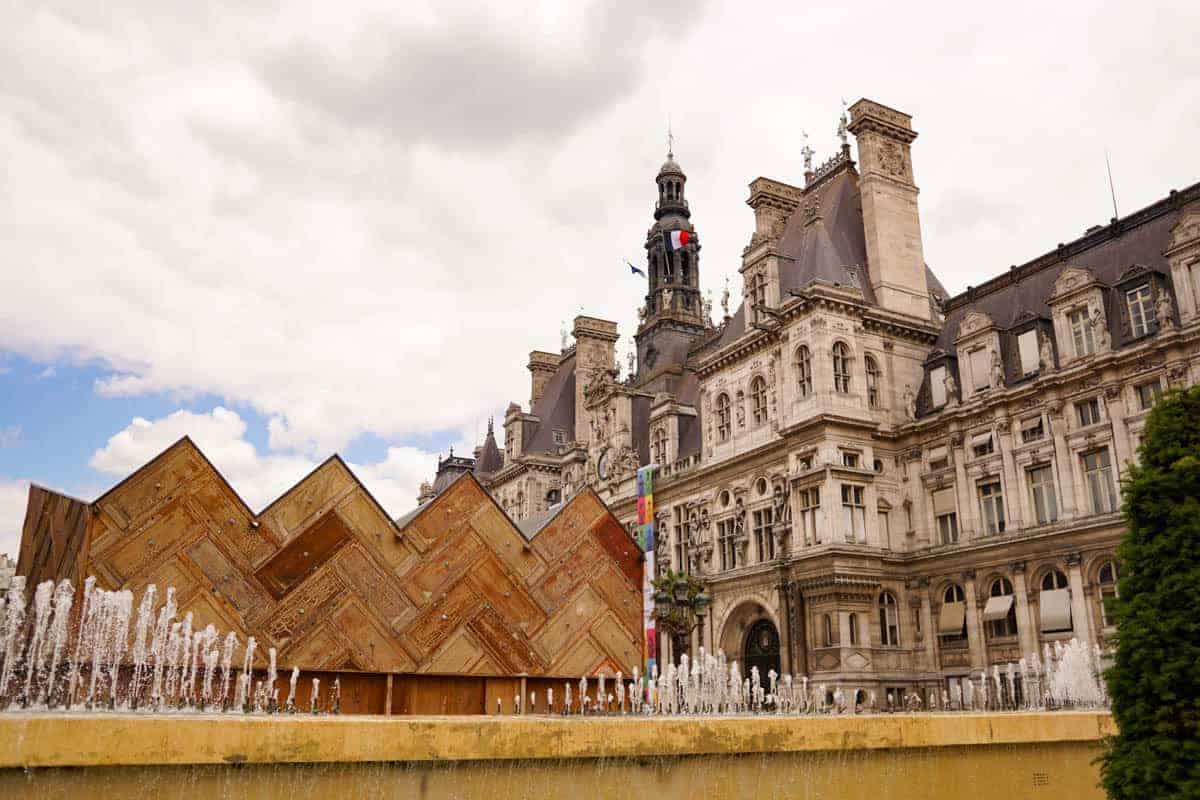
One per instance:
(615,541)
(225,579)
(53,538)
(303,608)
(505,540)
(318,650)
(433,625)
(570,621)
(304,554)
(447,515)
(561,583)
(438,695)
(582,659)
(457,655)
(507,647)
(159,482)
(621,645)
(570,526)
(442,566)
(374,648)
(624,599)
(374,585)
(143,552)
(309,497)
(508,597)
(233,523)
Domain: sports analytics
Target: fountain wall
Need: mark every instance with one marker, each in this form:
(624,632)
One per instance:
(893,757)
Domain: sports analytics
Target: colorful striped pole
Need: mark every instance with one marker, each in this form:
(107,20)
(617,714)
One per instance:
(645,518)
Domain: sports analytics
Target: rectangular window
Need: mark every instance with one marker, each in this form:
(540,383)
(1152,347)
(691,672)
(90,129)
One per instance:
(1027,345)
(806,462)
(1032,430)
(944,512)
(885,527)
(726,545)
(1081,332)
(1041,494)
(1141,310)
(849,459)
(937,386)
(979,369)
(939,458)
(1148,395)
(810,504)
(854,513)
(1194,269)
(1097,474)
(560,436)
(764,537)
(982,444)
(1088,412)
(991,502)
(681,542)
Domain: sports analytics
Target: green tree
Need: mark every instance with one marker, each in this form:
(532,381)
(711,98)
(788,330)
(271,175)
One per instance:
(1154,682)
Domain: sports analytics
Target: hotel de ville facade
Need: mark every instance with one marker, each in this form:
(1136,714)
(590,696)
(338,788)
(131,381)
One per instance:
(881,486)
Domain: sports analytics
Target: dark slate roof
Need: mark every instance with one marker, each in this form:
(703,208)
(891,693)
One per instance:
(1026,289)
(555,408)
(489,461)
(689,427)
(829,247)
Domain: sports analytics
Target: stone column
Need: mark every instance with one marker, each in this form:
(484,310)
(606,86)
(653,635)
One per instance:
(967,515)
(1115,407)
(1062,462)
(785,625)
(1013,506)
(1079,614)
(919,603)
(974,623)
(1027,629)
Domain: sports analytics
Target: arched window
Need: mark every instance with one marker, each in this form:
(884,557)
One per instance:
(889,621)
(552,497)
(757,294)
(724,418)
(854,629)
(841,367)
(1107,578)
(828,626)
(658,446)
(758,399)
(872,381)
(1000,614)
(952,620)
(804,371)
(1055,603)
(1054,580)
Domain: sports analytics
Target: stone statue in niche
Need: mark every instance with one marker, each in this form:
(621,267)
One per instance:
(1100,329)
(725,299)
(741,410)
(910,402)
(668,297)
(1164,311)
(951,389)
(1045,353)
(997,370)
(632,363)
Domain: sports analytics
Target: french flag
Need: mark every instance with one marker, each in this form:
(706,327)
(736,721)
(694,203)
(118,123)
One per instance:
(675,240)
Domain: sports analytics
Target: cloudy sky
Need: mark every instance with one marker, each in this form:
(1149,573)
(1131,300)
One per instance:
(290,230)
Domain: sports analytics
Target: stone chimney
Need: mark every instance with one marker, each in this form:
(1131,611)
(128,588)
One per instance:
(595,352)
(895,258)
(541,369)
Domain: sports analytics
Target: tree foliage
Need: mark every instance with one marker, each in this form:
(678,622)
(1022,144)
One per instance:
(1154,682)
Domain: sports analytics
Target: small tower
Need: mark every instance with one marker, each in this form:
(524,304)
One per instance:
(674,309)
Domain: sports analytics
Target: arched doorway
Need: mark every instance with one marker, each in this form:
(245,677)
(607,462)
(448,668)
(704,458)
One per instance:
(761,649)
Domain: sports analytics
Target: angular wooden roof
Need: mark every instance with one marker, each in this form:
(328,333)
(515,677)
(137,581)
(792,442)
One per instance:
(323,575)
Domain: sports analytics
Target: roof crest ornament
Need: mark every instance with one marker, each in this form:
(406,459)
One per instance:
(806,151)
(842,123)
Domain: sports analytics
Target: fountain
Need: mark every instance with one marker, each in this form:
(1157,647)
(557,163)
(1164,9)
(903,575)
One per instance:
(70,670)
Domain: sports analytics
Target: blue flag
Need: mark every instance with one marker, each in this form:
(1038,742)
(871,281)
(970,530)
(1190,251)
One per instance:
(636,271)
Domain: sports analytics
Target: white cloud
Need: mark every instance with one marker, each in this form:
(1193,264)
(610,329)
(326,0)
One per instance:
(351,223)
(14,496)
(258,477)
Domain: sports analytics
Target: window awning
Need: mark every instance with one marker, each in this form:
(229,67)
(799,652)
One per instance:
(981,439)
(1056,610)
(997,607)
(951,619)
(937,453)
(1031,423)
(943,501)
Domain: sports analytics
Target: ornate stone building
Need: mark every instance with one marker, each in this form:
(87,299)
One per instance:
(883,487)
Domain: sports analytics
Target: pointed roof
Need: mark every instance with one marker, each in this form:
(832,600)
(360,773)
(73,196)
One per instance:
(489,461)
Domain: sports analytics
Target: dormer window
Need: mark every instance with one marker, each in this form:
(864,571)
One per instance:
(1081,332)
(1027,345)
(937,386)
(1141,310)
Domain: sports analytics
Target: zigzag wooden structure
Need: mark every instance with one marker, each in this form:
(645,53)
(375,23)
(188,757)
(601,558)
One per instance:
(328,579)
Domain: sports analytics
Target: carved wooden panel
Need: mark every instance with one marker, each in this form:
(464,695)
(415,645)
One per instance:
(326,578)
